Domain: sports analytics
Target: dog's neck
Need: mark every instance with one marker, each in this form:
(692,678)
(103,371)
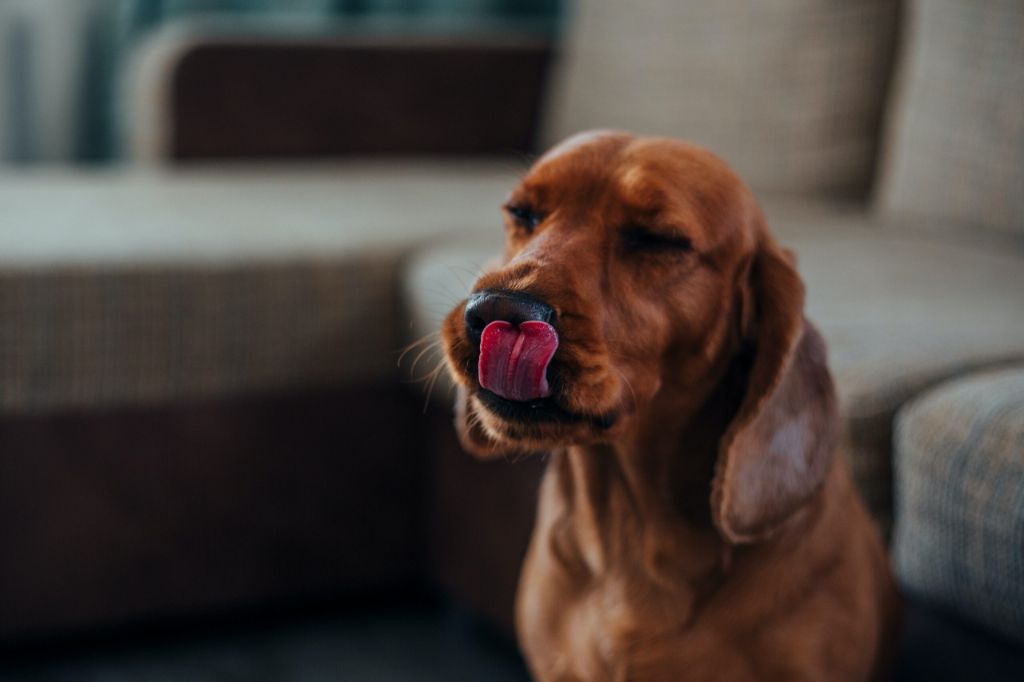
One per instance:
(652,486)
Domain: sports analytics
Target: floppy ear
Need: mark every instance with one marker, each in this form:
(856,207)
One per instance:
(778,449)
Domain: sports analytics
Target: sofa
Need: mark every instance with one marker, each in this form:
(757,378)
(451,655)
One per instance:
(201,404)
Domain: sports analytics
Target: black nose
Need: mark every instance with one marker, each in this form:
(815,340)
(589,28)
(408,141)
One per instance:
(511,306)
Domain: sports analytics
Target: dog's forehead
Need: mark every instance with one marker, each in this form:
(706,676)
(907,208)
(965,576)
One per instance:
(638,169)
(656,161)
(632,177)
(641,184)
(588,143)
(582,159)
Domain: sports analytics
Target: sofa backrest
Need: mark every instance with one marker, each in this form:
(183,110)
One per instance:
(790,92)
(200,91)
(955,141)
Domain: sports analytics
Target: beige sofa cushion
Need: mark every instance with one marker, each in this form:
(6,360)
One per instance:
(790,92)
(955,147)
(900,309)
(120,288)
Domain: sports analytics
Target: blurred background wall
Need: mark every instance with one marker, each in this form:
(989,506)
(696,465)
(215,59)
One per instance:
(62,63)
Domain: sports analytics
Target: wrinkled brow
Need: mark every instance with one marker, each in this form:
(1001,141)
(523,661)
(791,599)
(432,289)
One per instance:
(640,192)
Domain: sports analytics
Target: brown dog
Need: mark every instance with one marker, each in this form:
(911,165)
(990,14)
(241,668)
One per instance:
(694,523)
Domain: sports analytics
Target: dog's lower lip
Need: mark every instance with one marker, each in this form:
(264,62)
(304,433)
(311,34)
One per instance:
(542,410)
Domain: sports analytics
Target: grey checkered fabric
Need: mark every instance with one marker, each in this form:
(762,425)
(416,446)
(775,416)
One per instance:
(955,144)
(94,336)
(959,537)
(126,288)
(790,92)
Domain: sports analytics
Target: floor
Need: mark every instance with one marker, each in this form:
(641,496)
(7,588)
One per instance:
(425,644)
(411,643)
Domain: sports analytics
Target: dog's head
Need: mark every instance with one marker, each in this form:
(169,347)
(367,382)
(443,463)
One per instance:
(637,271)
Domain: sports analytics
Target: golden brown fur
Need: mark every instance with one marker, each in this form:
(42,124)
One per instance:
(694,522)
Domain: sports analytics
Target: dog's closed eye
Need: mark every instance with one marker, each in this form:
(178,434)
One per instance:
(642,239)
(525,216)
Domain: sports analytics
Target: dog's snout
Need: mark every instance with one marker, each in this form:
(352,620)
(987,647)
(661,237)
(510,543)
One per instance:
(511,306)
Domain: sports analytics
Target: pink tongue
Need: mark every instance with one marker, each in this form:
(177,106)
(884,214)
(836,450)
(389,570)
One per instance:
(514,362)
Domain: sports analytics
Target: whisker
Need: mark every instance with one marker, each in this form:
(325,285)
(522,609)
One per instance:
(432,336)
(433,381)
(520,457)
(626,381)
(442,291)
(455,270)
(427,349)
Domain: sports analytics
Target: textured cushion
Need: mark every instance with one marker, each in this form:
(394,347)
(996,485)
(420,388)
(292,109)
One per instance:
(955,145)
(120,288)
(959,538)
(790,92)
(901,310)
(110,335)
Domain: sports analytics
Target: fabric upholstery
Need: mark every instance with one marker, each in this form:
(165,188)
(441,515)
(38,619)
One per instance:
(154,287)
(116,516)
(955,147)
(789,92)
(959,537)
(128,335)
(208,93)
(901,310)
(198,392)
(477,556)
(240,214)
(165,287)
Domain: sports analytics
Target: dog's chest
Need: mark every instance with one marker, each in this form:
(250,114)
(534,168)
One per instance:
(609,585)
(617,616)
(597,614)
(613,631)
